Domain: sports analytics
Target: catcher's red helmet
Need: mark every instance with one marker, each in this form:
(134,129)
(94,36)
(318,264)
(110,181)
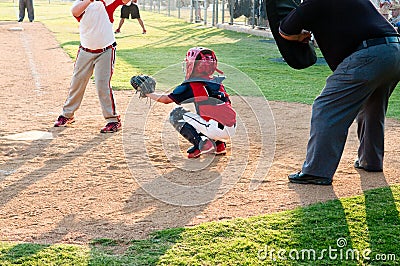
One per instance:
(201,61)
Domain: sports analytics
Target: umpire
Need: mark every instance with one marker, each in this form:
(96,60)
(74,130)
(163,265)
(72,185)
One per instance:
(362,49)
(132,9)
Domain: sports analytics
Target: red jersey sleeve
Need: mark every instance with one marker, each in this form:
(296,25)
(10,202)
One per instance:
(111,8)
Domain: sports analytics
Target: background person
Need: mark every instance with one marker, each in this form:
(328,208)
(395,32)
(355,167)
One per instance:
(132,9)
(197,10)
(28,5)
(384,6)
(395,18)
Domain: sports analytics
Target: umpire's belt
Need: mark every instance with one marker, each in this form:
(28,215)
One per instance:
(97,51)
(377,41)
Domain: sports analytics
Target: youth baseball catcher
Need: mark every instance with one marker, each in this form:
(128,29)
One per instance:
(214,122)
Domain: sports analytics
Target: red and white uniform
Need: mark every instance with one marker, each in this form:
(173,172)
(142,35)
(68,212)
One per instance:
(214,117)
(96,54)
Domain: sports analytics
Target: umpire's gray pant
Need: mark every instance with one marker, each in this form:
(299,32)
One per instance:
(359,87)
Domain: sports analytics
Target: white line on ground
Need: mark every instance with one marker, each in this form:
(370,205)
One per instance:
(28,51)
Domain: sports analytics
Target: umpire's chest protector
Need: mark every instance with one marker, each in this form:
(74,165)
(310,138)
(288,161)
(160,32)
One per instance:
(210,107)
(296,54)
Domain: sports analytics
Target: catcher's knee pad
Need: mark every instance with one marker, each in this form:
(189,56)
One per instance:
(176,118)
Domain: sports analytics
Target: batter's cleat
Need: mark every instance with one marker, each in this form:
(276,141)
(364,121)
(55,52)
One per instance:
(117,31)
(63,121)
(221,148)
(111,127)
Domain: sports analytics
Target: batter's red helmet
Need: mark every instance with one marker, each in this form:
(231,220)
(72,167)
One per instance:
(201,61)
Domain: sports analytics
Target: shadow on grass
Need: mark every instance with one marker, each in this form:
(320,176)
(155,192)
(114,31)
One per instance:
(382,216)
(136,252)
(354,231)
(322,236)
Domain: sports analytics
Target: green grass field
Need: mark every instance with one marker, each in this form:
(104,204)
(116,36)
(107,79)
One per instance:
(361,230)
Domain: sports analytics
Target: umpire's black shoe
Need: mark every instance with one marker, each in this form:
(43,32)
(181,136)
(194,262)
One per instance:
(358,166)
(301,178)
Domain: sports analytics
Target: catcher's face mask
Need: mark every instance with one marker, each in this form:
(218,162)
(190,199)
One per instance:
(201,61)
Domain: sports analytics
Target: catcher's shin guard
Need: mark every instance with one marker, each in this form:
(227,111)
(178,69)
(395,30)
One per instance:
(185,129)
(191,134)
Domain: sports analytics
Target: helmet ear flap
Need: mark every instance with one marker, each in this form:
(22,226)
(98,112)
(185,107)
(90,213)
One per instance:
(189,66)
(190,61)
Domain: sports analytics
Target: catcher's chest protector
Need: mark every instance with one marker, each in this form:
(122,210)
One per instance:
(296,54)
(219,111)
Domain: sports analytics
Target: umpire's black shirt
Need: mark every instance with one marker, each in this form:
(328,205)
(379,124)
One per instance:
(339,26)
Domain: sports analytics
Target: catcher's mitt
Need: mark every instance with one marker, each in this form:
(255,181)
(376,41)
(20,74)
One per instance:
(143,84)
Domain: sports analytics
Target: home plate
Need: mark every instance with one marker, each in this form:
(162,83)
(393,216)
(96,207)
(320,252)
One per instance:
(16,29)
(30,135)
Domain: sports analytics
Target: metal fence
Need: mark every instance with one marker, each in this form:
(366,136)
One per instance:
(212,12)
(207,12)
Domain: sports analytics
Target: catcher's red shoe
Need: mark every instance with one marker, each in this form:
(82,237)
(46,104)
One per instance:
(111,127)
(63,121)
(206,146)
(221,148)
(194,154)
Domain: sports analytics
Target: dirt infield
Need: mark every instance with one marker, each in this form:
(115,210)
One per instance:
(73,184)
